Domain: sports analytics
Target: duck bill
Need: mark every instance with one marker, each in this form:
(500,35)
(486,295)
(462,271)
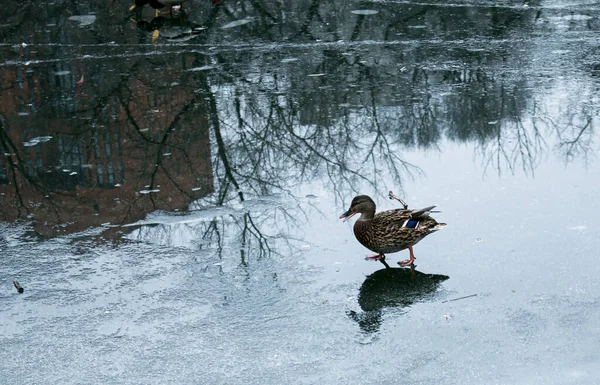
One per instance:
(347,215)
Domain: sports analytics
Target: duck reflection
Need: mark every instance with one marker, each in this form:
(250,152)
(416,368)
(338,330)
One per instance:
(395,287)
(175,27)
(167,7)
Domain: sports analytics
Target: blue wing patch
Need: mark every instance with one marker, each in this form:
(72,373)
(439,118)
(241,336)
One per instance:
(412,223)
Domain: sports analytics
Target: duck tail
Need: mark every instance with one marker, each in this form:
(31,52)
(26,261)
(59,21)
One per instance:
(422,213)
(438,226)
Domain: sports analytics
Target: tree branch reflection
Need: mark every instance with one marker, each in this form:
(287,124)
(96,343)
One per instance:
(294,96)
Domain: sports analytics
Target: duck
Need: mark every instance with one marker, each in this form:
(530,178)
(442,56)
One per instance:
(390,231)
(175,9)
(158,4)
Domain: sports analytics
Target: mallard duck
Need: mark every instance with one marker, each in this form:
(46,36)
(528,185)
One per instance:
(390,231)
(175,9)
(157,4)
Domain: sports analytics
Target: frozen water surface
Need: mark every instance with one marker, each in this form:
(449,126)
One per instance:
(225,261)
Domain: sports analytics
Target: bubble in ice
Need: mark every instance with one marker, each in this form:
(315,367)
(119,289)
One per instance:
(202,68)
(83,20)
(365,12)
(236,23)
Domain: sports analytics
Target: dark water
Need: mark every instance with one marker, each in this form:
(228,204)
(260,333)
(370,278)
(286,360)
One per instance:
(170,191)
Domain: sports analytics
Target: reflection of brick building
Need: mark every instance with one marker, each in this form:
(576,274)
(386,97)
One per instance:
(109,142)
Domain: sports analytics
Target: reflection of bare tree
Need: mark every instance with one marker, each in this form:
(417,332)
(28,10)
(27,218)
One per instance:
(117,149)
(15,170)
(514,146)
(522,142)
(490,112)
(576,140)
(255,231)
(571,127)
(274,141)
(576,131)
(281,113)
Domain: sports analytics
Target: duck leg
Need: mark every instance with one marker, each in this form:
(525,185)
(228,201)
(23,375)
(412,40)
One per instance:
(378,257)
(410,261)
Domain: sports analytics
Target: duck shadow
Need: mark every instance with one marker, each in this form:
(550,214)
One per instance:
(392,288)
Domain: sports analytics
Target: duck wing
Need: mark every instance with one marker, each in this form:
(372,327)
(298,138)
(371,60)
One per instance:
(401,218)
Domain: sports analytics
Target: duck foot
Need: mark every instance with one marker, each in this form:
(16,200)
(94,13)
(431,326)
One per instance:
(378,257)
(409,261)
(412,266)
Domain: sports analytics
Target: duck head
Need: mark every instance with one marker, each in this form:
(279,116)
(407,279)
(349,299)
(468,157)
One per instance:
(361,204)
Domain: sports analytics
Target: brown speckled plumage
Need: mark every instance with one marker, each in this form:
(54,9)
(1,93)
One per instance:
(387,231)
